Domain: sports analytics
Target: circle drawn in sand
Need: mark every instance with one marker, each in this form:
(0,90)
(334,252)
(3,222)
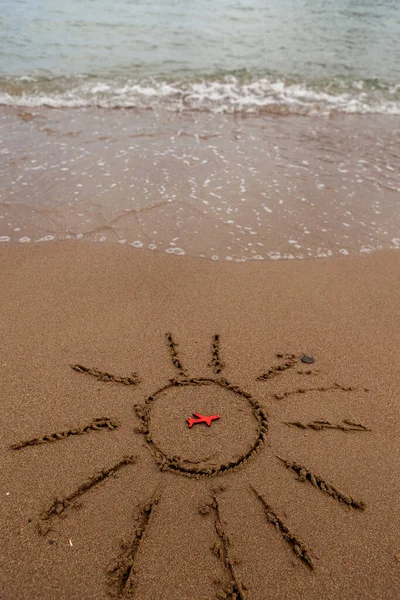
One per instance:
(180,450)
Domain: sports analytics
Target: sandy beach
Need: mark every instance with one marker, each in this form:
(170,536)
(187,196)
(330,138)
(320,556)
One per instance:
(293,492)
(200,314)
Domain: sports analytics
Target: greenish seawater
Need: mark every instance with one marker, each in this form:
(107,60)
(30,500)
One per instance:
(226,55)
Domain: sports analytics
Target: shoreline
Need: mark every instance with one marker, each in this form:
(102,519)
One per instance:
(134,247)
(109,308)
(201,184)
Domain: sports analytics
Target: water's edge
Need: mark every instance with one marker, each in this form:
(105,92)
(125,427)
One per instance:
(218,186)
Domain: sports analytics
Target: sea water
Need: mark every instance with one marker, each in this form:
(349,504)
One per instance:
(226,55)
(224,129)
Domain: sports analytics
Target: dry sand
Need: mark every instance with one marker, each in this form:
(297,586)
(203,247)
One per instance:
(168,512)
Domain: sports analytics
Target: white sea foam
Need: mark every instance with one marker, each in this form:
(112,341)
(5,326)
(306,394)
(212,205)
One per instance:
(226,95)
(177,251)
(46,238)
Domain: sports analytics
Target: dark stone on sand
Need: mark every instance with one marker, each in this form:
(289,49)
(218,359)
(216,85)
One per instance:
(309,360)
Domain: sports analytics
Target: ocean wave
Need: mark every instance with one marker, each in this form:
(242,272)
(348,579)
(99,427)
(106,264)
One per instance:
(228,94)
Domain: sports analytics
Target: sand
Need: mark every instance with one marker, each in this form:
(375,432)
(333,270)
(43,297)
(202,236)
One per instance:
(294,492)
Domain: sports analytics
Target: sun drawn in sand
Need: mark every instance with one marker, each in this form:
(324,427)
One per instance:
(182,453)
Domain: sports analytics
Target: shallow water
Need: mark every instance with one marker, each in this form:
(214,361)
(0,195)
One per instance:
(273,130)
(231,55)
(215,186)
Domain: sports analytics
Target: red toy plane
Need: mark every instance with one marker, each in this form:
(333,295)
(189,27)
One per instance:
(202,419)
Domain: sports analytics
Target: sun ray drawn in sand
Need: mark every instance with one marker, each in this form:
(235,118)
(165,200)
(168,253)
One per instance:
(122,576)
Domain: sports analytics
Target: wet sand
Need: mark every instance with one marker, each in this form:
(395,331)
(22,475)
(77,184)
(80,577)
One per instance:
(220,186)
(292,493)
